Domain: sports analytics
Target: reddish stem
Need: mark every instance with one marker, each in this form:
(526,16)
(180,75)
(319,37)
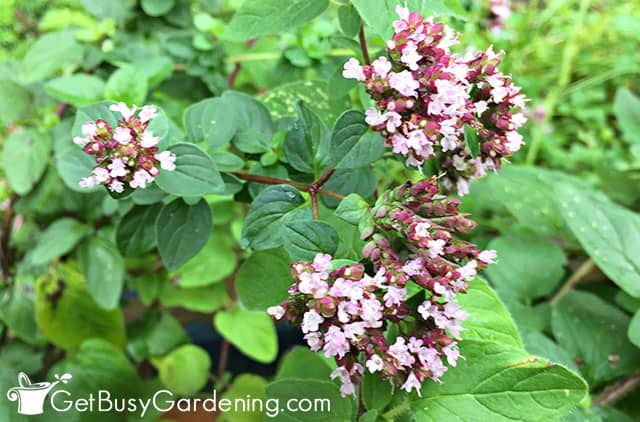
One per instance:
(61,108)
(231,80)
(363,45)
(275,181)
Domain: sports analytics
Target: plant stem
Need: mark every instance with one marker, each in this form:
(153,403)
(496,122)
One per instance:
(224,358)
(6,236)
(584,269)
(314,189)
(363,45)
(61,108)
(231,80)
(618,390)
(275,181)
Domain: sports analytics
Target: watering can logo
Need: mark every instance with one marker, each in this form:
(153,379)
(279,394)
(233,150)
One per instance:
(31,397)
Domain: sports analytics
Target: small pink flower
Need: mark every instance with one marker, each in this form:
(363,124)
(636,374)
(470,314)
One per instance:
(381,66)
(147,140)
(126,112)
(116,186)
(100,174)
(353,70)
(404,83)
(167,160)
(87,182)
(311,321)
(276,311)
(147,113)
(411,383)
(122,135)
(375,364)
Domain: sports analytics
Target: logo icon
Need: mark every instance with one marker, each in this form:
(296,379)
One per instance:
(31,396)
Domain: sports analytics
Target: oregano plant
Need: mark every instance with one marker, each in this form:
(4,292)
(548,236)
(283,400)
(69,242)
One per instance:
(308,202)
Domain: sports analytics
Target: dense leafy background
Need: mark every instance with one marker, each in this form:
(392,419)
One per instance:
(137,293)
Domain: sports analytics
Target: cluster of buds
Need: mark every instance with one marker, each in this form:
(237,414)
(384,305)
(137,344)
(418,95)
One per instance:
(499,11)
(426,95)
(126,155)
(350,315)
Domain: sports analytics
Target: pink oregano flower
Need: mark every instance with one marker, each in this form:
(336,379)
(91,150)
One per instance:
(425,95)
(126,155)
(364,320)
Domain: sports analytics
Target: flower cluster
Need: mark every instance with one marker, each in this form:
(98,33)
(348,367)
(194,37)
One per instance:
(350,315)
(126,155)
(426,95)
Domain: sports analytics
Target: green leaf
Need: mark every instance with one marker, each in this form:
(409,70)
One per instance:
(227,161)
(303,239)
(584,325)
(352,209)
(608,232)
(97,364)
(246,385)
(489,320)
(264,222)
(518,270)
(538,210)
(540,345)
(315,367)
(184,371)
(376,393)
(103,268)
(208,121)
(156,334)
(67,314)
(57,240)
(251,119)
(17,310)
(471,138)
(380,14)
(25,156)
(498,382)
(634,329)
(14,101)
(195,173)
(116,9)
(127,84)
(349,20)
(49,54)
(305,144)
(626,107)
(256,17)
(252,333)
(330,405)
(212,264)
(136,232)
(182,231)
(263,279)
(157,8)
(78,90)
(282,100)
(351,144)
(205,299)
(346,181)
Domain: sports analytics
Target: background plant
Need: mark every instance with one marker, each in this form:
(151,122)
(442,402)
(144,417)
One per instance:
(125,293)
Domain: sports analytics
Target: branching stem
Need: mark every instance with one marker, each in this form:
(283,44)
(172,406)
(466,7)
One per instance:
(585,268)
(275,181)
